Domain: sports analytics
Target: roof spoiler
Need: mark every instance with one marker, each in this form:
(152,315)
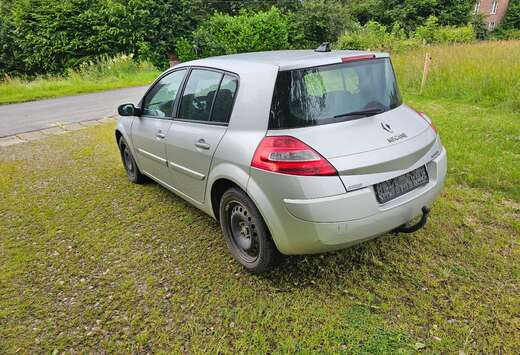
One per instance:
(324,47)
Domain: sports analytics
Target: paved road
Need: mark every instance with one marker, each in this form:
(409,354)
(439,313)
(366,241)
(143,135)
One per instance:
(36,115)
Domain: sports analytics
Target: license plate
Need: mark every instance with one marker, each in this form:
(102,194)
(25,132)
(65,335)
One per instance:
(398,186)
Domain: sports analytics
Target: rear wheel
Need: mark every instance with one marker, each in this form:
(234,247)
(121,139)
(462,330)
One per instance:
(133,172)
(245,232)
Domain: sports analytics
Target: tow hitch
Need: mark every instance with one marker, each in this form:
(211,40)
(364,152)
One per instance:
(405,228)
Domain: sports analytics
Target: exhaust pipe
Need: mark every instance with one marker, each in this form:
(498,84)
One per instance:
(405,228)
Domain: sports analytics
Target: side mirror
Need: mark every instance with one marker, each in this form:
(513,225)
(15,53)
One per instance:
(128,110)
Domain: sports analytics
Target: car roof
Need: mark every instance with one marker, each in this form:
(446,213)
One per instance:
(283,60)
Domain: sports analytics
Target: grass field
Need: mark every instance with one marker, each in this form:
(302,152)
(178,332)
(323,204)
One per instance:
(108,73)
(484,73)
(90,262)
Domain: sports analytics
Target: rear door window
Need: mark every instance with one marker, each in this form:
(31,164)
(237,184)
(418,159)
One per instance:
(224,101)
(200,90)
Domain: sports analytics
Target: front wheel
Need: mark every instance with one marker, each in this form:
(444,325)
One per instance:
(246,234)
(132,170)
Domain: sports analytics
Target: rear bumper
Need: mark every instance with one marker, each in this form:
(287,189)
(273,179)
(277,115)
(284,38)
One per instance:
(307,226)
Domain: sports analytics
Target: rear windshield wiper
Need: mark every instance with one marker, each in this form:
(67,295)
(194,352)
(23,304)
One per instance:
(367,112)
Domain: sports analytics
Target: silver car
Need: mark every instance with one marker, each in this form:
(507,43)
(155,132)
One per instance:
(294,152)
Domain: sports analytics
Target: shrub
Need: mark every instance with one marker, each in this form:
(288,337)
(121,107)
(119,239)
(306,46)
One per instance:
(432,32)
(53,35)
(375,36)
(512,18)
(426,32)
(450,34)
(479,26)
(246,32)
(506,34)
(412,13)
(319,21)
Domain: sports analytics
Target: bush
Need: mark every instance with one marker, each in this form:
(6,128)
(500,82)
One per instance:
(512,19)
(374,36)
(432,32)
(319,21)
(479,26)
(506,34)
(426,32)
(450,34)
(412,13)
(51,36)
(246,32)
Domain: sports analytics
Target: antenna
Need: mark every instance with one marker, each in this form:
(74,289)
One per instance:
(324,47)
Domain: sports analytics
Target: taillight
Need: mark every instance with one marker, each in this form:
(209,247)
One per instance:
(289,155)
(427,119)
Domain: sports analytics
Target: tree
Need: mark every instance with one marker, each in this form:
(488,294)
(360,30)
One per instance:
(233,7)
(53,35)
(246,32)
(412,13)
(319,21)
(512,18)
(9,52)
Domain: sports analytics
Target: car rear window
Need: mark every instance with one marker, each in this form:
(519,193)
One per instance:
(327,94)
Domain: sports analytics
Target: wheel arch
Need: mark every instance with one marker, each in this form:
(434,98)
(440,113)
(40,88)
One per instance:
(118,135)
(218,188)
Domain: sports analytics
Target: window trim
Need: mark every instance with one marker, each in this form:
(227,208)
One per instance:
(477,7)
(163,75)
(494,7)
(176,107)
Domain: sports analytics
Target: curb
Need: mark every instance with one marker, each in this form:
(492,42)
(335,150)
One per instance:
(56,129)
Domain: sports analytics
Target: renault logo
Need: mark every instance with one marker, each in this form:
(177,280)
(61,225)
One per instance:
(387,127)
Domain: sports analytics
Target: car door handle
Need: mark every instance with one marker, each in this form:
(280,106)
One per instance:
(201,143)
(160,135)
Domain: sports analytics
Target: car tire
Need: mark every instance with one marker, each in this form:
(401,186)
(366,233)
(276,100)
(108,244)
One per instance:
(131,168)
(246,233)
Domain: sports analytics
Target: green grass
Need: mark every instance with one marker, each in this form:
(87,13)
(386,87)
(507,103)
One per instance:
(106,74)
(484,73)
(90,262)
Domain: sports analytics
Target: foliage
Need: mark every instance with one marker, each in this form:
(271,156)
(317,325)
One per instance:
(9,62)
(505,34)
(512,17)
(427,31)
(319,21)
(246,32)
(374,36)
(412,13)
(53,35)
(479,26)
(451,34)
(233,7)
(432,32)
(101,74)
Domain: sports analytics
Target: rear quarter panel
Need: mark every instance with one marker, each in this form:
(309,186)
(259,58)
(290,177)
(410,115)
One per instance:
(247,125)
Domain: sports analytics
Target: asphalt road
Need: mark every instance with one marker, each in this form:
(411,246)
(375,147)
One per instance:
(36,115)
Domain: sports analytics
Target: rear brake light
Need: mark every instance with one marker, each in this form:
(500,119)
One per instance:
(358,57)
(289,155)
